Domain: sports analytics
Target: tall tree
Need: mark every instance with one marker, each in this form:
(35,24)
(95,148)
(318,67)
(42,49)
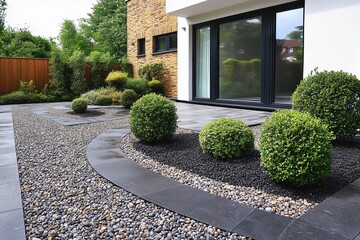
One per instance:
(2,14)
(72,39)
(107,27)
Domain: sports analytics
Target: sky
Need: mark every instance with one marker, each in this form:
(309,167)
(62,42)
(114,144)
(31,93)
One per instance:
(44,17)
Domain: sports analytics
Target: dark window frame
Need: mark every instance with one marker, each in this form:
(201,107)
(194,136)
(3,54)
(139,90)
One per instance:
(141,47)
(168,48)
(267,53)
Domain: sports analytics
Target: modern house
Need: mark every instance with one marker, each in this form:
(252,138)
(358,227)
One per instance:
(251,53)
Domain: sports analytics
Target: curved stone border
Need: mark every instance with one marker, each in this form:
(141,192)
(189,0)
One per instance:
(335,218)
(12,224)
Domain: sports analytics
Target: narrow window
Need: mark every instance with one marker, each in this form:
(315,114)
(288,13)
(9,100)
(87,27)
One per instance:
(141,47)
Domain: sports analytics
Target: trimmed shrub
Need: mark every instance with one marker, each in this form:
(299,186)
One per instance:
(156,86)
(140,86)
(103,100)
(226,138)
(295,148)
(332,96)
(79,105)
(153,118)
(117,79)
(14,98)
(152,71)
(128,97)
(27,87)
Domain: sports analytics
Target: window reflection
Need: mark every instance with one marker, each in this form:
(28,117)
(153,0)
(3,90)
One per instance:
(289,53)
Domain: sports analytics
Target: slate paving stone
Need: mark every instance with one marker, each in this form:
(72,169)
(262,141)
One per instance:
(12,225)
(221,212)
(6,150)
(8,158)
(262,225)
(300,230)
(98,157)
(357,237)
(9,174)
(10,197)
(182,199)
(336,215)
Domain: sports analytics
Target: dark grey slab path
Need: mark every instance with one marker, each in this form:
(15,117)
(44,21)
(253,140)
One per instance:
(11,210)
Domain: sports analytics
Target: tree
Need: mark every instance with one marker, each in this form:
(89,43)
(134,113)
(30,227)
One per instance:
(2,14)
(107,27)
(21,43)
(72,39)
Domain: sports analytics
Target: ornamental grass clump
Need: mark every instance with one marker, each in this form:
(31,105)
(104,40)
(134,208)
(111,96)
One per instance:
(79,105)
(334,97)
(153,118)
(295,148)
(226,138)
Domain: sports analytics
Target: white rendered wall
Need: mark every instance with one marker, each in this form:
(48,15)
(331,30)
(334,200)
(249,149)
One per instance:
(184,55)
(332,36)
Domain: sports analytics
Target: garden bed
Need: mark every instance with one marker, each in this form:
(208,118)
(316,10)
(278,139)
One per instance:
(243,179)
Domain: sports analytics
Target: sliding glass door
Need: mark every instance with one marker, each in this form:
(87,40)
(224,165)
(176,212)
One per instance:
(240,60)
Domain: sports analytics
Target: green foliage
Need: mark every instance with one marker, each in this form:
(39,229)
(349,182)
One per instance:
(117,79)
(60,74)
(101,64)
(295,148)
(19,97)
(21,43)
(2,14)
(79,105)
(27,87)
(107,27)
(103,100)
(14,98)
(78,81)
(156,86)
(332,96)
(126,66)
(128,97)
(116,97)
(140,86)
(72,39)
(93,95)
(153,118)
(152,71)
(226,138)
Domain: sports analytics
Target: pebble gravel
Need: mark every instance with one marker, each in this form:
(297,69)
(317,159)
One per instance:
(64,198)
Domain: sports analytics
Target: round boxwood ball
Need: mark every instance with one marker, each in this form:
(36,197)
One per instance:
(295,148)
(332,96)
(153,118)
(79,105)
(226,138)
(128,97)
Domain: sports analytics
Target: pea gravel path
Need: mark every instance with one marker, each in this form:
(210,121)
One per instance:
(64,198)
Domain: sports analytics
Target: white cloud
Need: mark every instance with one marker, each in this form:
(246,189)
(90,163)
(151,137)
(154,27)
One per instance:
(44,17)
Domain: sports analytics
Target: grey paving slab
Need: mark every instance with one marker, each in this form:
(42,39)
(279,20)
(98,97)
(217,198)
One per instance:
(8,158)
(223,213)
(9,197)
(357,237)
(262,225)
(12,225)
(9,174)
(300,230)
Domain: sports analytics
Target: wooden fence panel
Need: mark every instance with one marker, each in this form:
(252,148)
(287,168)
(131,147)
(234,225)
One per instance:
(12,70)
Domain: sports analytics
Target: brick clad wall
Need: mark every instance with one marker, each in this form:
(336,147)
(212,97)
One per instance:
(146,19)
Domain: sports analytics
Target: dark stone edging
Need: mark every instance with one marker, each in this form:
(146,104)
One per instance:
(335,218)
